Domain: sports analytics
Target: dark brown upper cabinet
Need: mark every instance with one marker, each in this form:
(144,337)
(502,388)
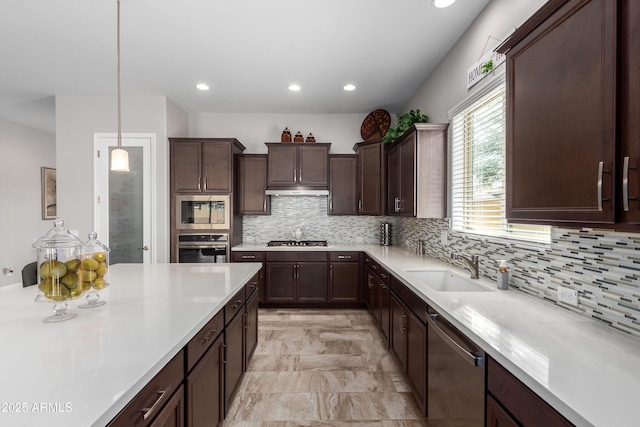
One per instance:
(293,165)
(417,172)
(371,177)
(342,184)
(203,165)
(253,184)
(573,146)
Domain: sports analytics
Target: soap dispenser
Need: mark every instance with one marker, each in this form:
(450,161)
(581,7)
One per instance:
(503,275)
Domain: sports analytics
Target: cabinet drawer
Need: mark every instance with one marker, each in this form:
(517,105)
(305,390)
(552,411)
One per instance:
(252,285)
(296,256)
(243,256)
(234,305)
(149,402)
(523,404)
(203,339)
(344,256)
(380,271)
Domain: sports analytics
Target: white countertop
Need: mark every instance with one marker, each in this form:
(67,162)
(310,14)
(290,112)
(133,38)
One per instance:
(587,371)
(83,371)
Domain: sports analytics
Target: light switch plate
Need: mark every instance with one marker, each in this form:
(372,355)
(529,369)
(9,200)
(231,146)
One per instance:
(444,238)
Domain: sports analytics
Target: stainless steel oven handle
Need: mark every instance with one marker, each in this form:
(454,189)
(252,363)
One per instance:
(469,356)
(199,246)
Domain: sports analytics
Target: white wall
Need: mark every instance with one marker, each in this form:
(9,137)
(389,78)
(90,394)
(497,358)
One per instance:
(446,86)
(77,119)
(253,130)
(24,152)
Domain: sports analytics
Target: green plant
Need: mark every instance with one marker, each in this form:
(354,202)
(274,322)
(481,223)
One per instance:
(403,122)
(487,66)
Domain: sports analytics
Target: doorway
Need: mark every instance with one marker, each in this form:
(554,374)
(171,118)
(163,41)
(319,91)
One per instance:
(123,207)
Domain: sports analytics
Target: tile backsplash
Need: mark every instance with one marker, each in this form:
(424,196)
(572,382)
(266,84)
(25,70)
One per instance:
(603,266)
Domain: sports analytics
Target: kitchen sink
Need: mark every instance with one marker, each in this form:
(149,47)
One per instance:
(446,281)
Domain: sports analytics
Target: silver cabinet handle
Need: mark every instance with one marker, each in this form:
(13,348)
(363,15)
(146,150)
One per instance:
(248,257)
(344,256)
(205,183)
(300,174)
(331,272)
(397,204)
(294,175)
(625,184)
(359,205)
(470,356)
(199,183)
(149,411)
(600,172)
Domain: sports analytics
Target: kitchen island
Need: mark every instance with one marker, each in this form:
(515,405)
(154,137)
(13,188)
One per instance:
(84,371)
(588,372)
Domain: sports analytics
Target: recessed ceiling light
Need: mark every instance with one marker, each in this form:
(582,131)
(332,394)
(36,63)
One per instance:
(443,3)
(294,87)
(349,87)
(202,86)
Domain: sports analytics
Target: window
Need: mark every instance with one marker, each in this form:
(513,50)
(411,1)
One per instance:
(478,169)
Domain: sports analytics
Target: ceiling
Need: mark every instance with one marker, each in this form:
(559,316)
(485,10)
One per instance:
(247,51)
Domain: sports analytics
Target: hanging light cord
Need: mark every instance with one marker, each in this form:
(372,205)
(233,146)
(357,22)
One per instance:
(118,55)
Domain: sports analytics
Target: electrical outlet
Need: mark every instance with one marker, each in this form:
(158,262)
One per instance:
(568,296)
(444,238)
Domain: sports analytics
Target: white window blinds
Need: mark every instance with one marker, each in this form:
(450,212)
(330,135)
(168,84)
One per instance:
(478,171)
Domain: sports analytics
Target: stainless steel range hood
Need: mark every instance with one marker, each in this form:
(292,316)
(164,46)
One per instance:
(296,192)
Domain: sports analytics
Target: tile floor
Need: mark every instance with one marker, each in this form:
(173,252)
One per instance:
(322,368)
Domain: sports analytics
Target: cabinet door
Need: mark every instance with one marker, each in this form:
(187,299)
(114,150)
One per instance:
(498,417)
(172,413)
(204,388)
(251,328)
(186,175)
(370,179)
(561,121)
(311,282)
(398,332)
(368,291)
(342,184)
(630,112)
(416,334)
(282,165)
(385,310)
(234,358)
(253,183)
(408,175)
(313,164)
(393,181)
(343,282)
(216,165)
(281,283)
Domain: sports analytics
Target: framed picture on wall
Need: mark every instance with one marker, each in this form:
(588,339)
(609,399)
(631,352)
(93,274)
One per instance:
(48,181)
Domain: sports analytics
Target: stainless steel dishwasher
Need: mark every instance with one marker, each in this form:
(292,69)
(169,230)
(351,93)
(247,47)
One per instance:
(455,375)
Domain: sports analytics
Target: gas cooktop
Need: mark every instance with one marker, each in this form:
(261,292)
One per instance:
(295,243)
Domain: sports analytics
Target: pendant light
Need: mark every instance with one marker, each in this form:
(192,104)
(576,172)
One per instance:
(119,156)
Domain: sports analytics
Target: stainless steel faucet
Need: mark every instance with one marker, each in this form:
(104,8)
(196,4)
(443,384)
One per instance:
(472,263)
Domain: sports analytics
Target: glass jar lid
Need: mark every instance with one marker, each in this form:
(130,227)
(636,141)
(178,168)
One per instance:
(93,245)
(58,237)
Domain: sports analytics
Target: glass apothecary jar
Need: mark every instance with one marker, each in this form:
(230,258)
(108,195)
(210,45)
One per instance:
(94,270)
(58,254)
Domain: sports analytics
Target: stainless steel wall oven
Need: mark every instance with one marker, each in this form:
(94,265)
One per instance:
(203,248)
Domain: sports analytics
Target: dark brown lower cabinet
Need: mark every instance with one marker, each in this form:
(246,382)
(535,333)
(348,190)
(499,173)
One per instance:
(497,417)
(204,388)
(408,343)
(514,404)
(234,358)
(344,277)
(251,327)
(144,409)
(172,413)
(296,278)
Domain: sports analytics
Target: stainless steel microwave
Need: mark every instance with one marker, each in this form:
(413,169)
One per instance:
(200,212)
